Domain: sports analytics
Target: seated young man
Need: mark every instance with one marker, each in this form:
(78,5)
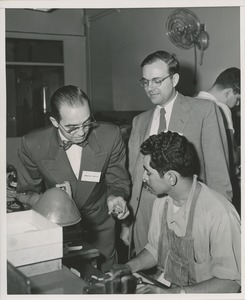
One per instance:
(195,235)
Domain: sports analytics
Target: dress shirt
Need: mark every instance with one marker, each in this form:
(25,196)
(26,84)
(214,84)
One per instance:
(156,117)
(224,108)
(74,154)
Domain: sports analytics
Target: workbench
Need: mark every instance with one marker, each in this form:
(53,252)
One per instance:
(77,267)
(57,282)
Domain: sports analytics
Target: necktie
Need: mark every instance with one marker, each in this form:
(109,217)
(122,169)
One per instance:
(162,121)
(67,144)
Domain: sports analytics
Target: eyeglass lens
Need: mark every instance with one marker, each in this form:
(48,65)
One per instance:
(88,123)
(155,81)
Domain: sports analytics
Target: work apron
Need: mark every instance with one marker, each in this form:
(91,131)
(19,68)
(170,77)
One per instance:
(176,253)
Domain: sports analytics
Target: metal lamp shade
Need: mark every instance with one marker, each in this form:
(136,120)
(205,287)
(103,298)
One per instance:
(56,205)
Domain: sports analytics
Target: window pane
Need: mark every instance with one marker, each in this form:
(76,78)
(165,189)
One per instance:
(29,90)
(36,51)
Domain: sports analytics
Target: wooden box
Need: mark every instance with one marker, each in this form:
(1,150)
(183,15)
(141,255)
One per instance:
(41,267)
(32,239)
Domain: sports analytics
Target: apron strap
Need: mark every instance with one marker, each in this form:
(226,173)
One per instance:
(165,211)
(192,209)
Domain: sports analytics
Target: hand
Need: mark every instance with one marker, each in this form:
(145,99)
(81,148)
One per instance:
(29,198)
(124,235)
(11,194)
(118,207)
(65,186)
(150,289)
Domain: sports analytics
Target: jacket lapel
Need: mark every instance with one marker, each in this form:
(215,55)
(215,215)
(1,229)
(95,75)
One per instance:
(57,163)
(93,160)
(179,116)
(146,126)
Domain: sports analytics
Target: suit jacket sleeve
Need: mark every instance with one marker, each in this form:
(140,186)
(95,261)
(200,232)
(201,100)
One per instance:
(132,147)
(215,152)
(117,177)
(140,131)
(29,178)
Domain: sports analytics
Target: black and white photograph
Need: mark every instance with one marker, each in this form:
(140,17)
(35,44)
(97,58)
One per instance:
(123,148)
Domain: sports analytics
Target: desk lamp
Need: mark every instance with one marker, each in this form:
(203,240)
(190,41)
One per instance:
(56,205)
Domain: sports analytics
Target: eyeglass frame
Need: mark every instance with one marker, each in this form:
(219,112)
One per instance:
(76,129)
(153,80)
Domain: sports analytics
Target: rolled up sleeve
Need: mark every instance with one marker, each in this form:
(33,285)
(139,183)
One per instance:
(226,247)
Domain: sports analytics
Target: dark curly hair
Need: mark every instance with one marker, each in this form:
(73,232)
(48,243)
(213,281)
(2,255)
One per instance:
(171,151)
(70,95)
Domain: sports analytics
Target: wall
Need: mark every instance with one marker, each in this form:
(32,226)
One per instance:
(119,41)
(61,24)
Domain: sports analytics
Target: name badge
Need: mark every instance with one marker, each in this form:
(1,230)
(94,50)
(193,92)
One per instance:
(91,176)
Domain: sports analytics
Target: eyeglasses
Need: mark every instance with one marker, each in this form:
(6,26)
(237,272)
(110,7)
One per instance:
(156,82)
(85,125)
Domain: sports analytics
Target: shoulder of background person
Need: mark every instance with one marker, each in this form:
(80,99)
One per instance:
(195,102)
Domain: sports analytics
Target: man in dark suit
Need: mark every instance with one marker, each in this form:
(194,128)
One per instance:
(88,155)
(199,121)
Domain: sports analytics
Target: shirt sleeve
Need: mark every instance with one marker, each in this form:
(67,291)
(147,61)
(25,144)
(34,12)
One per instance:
(226,246)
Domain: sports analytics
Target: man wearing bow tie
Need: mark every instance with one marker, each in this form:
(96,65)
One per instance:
(89,155)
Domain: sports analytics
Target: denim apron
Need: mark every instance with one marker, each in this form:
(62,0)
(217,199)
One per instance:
(175,253)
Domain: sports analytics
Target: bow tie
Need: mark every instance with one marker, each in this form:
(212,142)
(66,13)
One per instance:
(67,144)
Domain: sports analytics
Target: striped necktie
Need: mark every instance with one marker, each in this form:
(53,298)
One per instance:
(162,121)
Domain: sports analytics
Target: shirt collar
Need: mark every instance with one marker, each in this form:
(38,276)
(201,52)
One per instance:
(168,107)
(183,211)
(207,95)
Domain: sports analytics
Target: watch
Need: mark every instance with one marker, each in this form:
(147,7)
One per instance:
(182,290)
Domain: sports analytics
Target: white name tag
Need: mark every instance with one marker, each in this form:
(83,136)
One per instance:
(91,176)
